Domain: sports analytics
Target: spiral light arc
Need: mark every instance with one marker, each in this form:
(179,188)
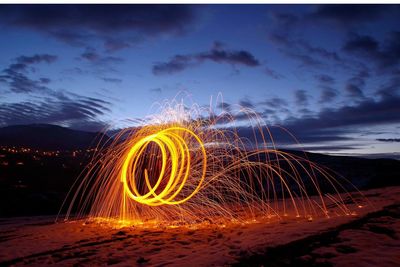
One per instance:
(170,142)
(185,165)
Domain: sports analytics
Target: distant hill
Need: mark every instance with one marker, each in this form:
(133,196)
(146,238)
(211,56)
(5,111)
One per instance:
(362,172)
(47,137)
(39,187)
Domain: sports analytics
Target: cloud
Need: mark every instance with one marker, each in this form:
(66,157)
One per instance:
(240,57)
(284,35)
(275,103)
(302,51)
(353,90)
(288,35)
(177,64)
(283,138)
(345,12)
(328,129)
(334,124)
(273,74)
(325,79)
(23,62)
(327,94)
(217,54)
(390,140)
(111,80)
(45,80)
(348,118)
(98,63)
(157,90)
(15,75)
(112,45)
(54,107)
(77,24)
(301,97)
(19,83)
(272,108)
(92,56)
(226,107)
(319,51)
(246,103)
(35,59)
(330,148)
(364,44)
(284,21)
(62,109)
(385,55)
(346,15)
(88,125)
(359,53)
(325,82)
(354,87)
(391,87)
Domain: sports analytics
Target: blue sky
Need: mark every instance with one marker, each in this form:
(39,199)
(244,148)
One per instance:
(328,73)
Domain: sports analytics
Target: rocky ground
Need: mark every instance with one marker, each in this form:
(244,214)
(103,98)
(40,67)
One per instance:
(369,237)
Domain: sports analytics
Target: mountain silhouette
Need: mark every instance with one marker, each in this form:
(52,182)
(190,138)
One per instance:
(48,137)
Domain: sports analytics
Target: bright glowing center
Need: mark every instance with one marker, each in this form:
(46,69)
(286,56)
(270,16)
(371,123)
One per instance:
(176,145)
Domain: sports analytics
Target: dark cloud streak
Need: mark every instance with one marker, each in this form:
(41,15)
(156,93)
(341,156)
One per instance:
(217,54)
(69,110)
(390,140)
(385,55)
(351,14)
(301,97)
(15,75)
(76,24)
(332,125)
(347,119)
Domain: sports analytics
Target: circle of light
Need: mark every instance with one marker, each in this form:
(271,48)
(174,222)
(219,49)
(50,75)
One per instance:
(167,140)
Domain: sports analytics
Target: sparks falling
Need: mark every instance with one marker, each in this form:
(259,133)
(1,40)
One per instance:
(182,166)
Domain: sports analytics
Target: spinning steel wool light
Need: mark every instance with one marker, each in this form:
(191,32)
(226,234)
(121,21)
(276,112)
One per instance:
(185,165)
(171,143)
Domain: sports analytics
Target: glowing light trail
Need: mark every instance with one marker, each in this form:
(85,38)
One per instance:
(181,166)
(170,140)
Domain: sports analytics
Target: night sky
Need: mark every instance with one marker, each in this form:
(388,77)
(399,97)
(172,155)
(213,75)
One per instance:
(330,74)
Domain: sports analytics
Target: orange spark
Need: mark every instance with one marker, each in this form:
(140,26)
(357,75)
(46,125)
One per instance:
(171,140)
(183,167)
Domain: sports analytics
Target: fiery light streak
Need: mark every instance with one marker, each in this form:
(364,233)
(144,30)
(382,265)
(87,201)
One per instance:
(179,154)
(183,167)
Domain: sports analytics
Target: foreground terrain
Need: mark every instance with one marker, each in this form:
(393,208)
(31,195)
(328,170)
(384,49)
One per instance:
(368,237)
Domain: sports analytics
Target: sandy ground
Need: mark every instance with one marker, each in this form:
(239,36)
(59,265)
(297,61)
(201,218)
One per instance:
(369,237)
